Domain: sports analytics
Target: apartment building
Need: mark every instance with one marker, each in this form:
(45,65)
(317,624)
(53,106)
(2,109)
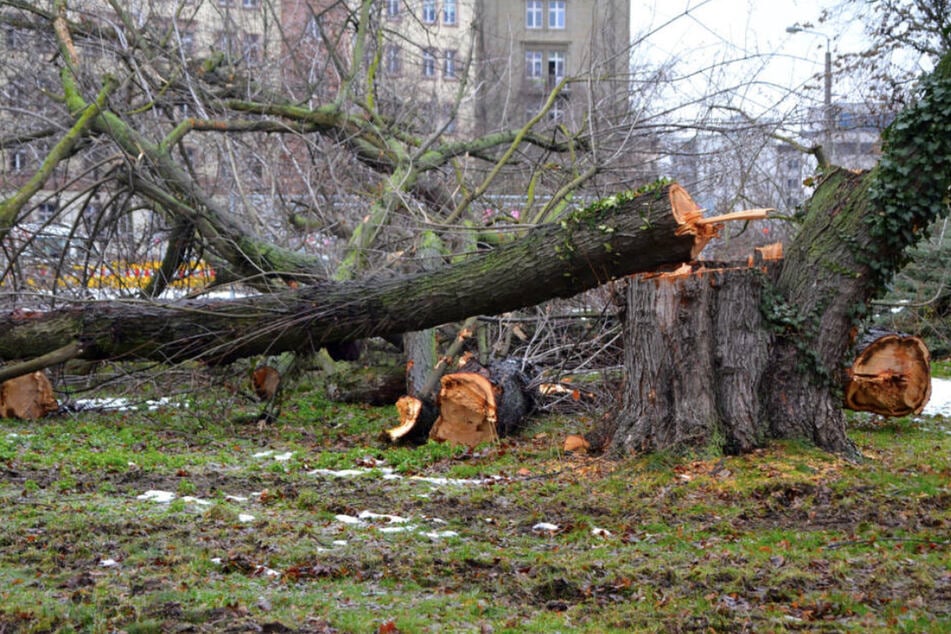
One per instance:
(528,48)
(478,65)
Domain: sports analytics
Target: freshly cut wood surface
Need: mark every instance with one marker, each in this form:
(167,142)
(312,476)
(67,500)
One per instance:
(891,376)
(467,410)
(27,397)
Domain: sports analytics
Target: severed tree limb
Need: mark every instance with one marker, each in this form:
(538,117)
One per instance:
(71,350)
(623,234)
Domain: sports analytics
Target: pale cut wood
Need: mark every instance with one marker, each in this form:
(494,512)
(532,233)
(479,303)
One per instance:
(416,420)
(467,410)
(27,397)
(769,252)
(891,376)
(266,380)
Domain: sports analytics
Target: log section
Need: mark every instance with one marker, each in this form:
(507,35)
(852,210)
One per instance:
(891,376)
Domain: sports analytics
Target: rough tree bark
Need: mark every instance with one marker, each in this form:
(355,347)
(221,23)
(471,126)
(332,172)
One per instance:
(626,233)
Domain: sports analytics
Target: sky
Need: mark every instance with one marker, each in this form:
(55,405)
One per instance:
(724,43)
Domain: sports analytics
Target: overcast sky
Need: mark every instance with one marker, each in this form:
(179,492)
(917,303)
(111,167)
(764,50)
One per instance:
(724,43)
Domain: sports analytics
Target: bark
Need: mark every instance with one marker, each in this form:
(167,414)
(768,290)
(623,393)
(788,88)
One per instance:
(699,352)
(696,349)
(612,238)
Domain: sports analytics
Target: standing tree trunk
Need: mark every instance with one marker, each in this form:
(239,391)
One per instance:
(728,363)
(695,350)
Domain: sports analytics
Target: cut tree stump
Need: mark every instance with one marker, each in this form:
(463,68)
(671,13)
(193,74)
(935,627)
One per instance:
(474,405)
(890,376)
(27,397)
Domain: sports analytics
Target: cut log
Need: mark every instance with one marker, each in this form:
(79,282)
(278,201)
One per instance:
(416,421)
(370,385)
(266,380)
(27,397)
(475,404)
(467,410)
(623,234)
(891,376)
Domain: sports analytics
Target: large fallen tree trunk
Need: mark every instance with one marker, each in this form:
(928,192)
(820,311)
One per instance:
(614,237)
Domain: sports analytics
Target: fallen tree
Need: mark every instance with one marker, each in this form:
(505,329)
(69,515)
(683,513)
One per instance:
(617,236)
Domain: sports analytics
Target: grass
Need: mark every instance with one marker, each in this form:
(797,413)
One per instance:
(786,539)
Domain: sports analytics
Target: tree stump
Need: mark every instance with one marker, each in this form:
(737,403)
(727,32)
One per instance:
(695,350)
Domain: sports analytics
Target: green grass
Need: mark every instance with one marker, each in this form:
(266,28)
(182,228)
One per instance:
(786,539)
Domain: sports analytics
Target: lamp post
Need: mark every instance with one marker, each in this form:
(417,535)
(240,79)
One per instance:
(827,103)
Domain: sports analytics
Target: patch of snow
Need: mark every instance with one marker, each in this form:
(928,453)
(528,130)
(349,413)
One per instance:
(267,572)
(284,457)
(236,498)
(120,404)
(545,526)
(940,402)
(263,454)
(245,517)
(396,529)
(389,474)
(108,563)
(194,500)
(339,542)
(600,532)
(393,519)
(155,495)
(348,519)
(338,473)
(440,534)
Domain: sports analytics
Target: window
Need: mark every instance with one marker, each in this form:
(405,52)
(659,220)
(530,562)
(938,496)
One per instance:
(45,212)
(392,60)
(429,11)
(188,43)
(252,48)
(449,64)
(556,14)
(18,160)
(392,9)
(429,62)
(249,4)
(449,119)
(556,68)
(558,109)
(533,14)
(226,43)
(225,3)
(533,64)
(449,12)
(312,28)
